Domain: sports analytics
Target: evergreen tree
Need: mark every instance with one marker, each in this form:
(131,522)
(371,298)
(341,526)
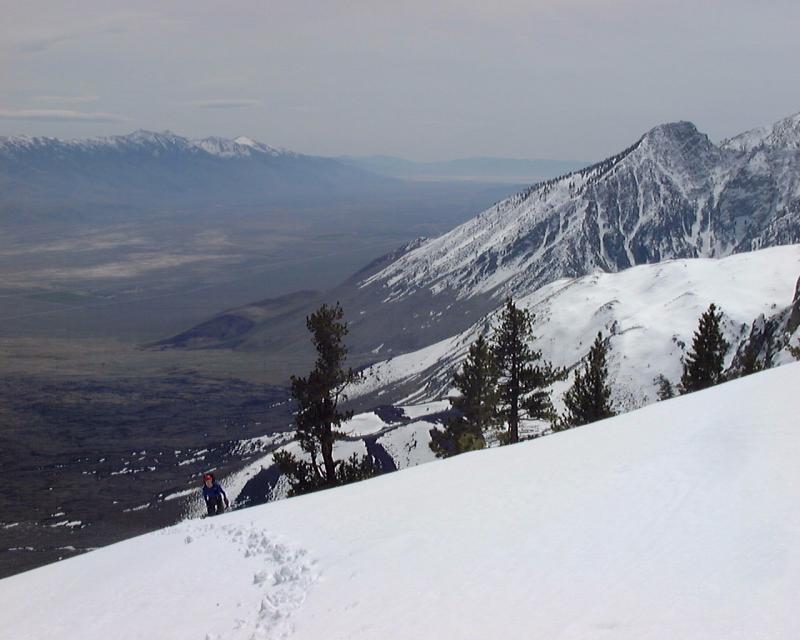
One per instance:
(588,399)
(665,389)
(475,408)
(524,378)
(318,415)
(703,365)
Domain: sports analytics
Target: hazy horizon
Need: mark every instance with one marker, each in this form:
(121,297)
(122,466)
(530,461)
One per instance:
(570,80)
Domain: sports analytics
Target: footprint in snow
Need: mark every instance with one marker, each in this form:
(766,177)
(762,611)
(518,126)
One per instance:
(285,576)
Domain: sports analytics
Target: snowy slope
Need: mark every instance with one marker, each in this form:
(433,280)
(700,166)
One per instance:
(398,439)
(649,311)
(675,521)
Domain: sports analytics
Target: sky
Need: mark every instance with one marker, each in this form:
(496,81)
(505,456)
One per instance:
(426,80)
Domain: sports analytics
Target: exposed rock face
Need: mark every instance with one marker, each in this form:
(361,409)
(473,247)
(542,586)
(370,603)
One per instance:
(769,340)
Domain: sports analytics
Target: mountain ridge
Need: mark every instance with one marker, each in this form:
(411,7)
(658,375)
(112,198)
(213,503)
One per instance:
(240,146)
(672,194)
(42,177)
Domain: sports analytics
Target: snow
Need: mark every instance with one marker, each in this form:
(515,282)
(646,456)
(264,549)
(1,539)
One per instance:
(404,367)
(647,311)
(181,494)
(675,521)
(784,134)
(409,445)
(420,410)
(363,424)
(67,523)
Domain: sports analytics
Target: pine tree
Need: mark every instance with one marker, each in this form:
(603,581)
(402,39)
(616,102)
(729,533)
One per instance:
(703,365)
(589,397)
(665,389)
(524,378)
(318,416)
(475,407)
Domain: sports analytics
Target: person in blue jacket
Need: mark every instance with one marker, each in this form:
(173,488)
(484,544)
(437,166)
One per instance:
(214,495)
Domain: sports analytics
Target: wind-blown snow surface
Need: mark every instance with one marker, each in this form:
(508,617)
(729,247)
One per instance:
(679,520)
(649,314)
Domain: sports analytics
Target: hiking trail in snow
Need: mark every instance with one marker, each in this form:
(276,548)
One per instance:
(283,574)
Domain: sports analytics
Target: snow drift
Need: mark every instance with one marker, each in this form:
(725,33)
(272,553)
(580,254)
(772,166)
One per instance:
(679,520)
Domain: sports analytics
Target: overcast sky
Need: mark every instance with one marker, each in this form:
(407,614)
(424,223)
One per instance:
(565,79)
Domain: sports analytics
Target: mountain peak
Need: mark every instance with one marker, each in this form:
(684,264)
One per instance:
(679,148)
(784,134)
(146,136)
(246,142)
(672,194)
(680,129)
(679,132)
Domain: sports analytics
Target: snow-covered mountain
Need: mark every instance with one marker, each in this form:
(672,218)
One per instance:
(150,142)
(784,134)
(648,313)
(673,194)
(675,521)
(146,168)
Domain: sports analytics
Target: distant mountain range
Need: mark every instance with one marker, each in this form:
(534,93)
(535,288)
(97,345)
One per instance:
(672,194)
(146,168)
(510,170)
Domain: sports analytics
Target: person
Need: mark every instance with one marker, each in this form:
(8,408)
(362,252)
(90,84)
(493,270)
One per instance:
(214,495)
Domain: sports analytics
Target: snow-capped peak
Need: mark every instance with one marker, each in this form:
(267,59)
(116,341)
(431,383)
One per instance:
(143,139)
(238,147)
(672,194)
(679,131)
(246,142)
(784,134)
(143,136)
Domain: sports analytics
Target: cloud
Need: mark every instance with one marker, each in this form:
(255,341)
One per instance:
(44,37)
(59,115)
(67,99)
(226,103)
(36,44)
